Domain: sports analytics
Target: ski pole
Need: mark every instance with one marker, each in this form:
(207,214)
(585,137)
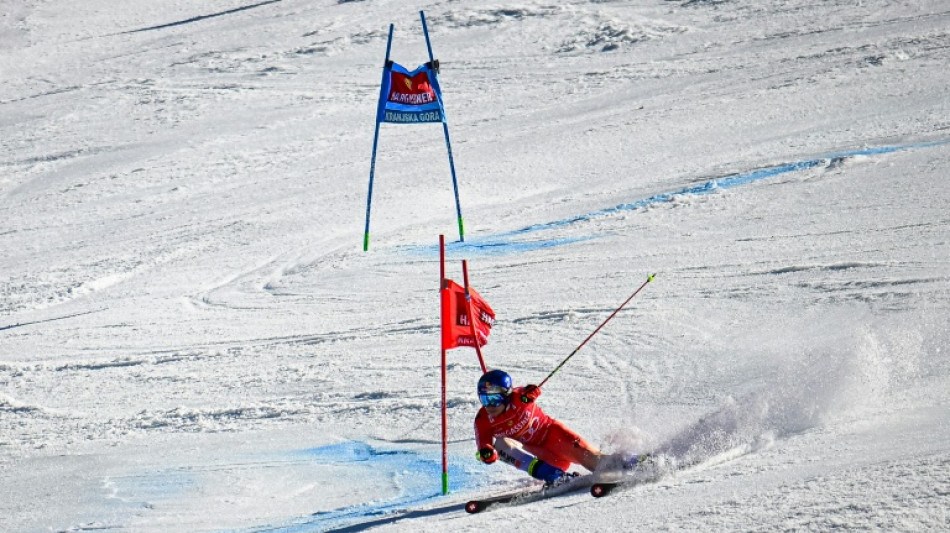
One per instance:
(649,279)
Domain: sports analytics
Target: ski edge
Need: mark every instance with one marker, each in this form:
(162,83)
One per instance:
(576,484)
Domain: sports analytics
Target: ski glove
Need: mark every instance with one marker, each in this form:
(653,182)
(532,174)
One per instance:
(488,455)
(530,393)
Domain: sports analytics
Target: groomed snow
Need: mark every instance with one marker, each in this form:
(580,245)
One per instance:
(192,339)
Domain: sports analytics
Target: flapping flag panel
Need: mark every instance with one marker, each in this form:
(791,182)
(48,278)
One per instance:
(456,329)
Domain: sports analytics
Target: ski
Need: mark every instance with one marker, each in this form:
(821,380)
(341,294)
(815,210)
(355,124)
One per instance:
(606,482)
(575,483)
(477,506)
(599,490)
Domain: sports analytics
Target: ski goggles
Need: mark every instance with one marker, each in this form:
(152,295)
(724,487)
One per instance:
(491,399)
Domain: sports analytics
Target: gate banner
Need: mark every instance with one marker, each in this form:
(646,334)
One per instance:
(410,97)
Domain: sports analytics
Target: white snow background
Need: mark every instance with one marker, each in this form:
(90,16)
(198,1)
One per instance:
(192,339)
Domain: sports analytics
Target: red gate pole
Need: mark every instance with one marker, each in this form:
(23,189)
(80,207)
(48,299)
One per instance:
(445,417)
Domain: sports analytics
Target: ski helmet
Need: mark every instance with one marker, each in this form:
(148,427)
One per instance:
(494,387)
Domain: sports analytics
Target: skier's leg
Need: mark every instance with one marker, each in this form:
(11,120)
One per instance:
(562,445)
(511,452)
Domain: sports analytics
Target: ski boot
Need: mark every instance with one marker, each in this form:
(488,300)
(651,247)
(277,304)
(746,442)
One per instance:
(550,475)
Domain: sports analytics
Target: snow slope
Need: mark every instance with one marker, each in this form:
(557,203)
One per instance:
(194,340)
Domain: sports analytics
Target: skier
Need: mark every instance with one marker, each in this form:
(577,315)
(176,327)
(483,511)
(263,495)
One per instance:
(511,426)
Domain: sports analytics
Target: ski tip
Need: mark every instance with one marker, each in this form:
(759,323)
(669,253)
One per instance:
(474,506)
(599,490)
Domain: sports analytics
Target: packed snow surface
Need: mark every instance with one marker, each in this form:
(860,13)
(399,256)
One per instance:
(193,339)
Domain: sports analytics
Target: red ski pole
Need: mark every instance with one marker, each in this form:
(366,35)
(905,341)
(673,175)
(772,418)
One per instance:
(602,324)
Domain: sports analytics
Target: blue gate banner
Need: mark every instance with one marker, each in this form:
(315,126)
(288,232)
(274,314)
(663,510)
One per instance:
(410,97)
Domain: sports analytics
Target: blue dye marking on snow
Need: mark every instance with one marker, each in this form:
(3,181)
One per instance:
(502,244)
(513,242)
(418,476)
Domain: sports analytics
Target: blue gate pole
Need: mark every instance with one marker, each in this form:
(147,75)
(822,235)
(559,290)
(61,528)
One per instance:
(372,165)
(448,143)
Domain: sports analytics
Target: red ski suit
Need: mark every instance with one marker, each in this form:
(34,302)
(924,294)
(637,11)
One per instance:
(539,434)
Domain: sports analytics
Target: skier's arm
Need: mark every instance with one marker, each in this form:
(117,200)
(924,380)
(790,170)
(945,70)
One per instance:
(483,439)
